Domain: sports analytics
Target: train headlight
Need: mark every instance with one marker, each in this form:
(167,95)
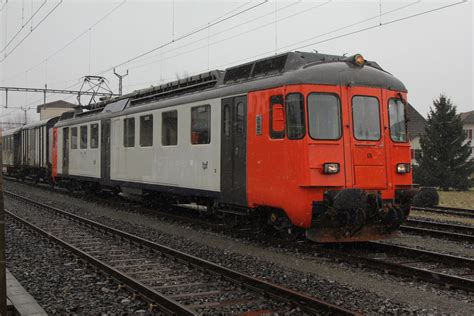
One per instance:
(403,168)
(331,168)
(359,60)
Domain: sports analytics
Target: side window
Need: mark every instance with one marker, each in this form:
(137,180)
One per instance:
(74,138)
(239,119)
(169,128)
(95,136)
(277,117)
(201,124)
(129,132)
(295,124)
(84,137)
(226,120)
(396,116)
(146,130)
(366,118)
(324,116)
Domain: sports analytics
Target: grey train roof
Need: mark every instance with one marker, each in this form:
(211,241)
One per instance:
(285,69)
(11,131)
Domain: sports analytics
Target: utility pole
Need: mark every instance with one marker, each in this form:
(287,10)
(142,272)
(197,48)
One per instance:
(120,80)
(3,278)
(25,111)
(45,89)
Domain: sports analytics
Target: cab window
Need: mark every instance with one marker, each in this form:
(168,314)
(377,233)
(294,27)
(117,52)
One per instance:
(366,118)
(277,117)
(398,127)
(324,116)
(295,125)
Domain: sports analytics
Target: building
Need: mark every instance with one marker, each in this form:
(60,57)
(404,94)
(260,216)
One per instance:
(416,128)
(52,109)
(467,119)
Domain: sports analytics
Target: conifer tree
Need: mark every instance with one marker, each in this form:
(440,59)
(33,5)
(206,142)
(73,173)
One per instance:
(445,150)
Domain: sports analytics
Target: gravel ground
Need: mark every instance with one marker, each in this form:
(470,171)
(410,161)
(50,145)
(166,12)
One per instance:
(366,291)
(60,283)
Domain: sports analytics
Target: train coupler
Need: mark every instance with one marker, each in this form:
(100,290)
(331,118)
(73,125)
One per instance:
(354,215)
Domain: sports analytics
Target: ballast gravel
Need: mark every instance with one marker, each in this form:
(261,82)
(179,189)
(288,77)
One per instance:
(356,289)
(60,283)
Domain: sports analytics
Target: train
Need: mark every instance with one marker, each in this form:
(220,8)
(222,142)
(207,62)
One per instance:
(311,144)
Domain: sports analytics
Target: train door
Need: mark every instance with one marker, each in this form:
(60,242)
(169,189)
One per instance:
(65,169)
(367,142)
(234,150)
(105,151)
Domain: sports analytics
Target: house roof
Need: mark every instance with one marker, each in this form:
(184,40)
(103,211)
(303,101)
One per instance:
(467,117)
(416,122)
(55,104)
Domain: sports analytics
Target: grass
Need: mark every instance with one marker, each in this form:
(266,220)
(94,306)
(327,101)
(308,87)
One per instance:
(457,199)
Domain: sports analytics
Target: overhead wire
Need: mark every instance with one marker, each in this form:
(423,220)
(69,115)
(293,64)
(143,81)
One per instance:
(72,40)
(23,26)
(237,35)
(182,37)
(223,31)
(31,32)
(215,21)
(359,30)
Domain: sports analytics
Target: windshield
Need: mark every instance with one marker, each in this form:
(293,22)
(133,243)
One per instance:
(366,117)
(324,116)
(396,111)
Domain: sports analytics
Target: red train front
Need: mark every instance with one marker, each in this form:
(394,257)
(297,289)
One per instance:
(335,158)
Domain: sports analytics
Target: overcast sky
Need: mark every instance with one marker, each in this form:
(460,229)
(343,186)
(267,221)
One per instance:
(431,53)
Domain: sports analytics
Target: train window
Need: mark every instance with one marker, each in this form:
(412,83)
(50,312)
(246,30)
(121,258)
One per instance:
(295,125)
(94,135)
(277,117)
(398,127)
(73,137)
(169,128)
(226,120)
(240,117)
(366,118)
(129,132)
(324,116)
(83,143)
(146,130)
(201,124)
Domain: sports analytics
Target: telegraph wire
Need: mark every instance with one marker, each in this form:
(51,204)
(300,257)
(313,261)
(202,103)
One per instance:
(71,41)
(23,26)
(31,32)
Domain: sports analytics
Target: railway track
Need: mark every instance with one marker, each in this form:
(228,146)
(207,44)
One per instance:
(447,270)
(174,282)
(443,230)
(462,212)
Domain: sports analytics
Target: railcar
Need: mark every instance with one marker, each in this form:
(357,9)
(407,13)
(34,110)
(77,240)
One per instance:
(310,142)
(36,150)
(11,151)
